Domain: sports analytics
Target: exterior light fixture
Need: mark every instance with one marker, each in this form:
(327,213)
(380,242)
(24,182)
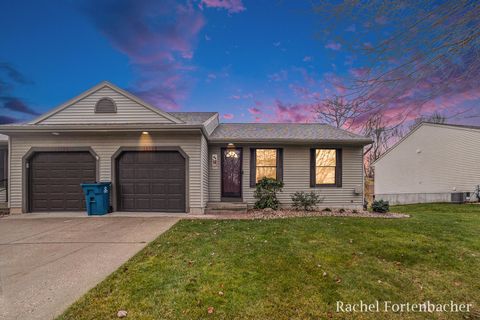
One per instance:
(231,151)
(145,132)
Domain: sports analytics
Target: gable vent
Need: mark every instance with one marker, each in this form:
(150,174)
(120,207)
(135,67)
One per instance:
(105,105)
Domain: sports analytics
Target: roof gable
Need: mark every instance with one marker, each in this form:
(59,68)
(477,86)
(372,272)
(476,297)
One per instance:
(129,109)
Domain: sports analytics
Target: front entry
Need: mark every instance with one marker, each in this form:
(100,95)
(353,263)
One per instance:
(232,173)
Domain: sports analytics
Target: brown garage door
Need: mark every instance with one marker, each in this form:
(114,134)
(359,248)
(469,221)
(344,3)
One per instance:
(151,181)
(55,179)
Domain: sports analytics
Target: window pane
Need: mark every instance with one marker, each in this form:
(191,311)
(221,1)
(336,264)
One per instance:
(266,157)
(325,175)
(269,172)
(325,157)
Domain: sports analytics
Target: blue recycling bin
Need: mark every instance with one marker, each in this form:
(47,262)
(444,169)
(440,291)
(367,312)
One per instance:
(97,197)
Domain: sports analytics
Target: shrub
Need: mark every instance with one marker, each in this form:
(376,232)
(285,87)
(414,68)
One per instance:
(341,210)
(327,209)
(306,201)
(354,211)
(266,193)
(380,206)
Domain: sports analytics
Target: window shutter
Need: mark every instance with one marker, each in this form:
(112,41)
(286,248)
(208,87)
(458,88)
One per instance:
(280,164)
(338,171)
(312,168)
(253,160)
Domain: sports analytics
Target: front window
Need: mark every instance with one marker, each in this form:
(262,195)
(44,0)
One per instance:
(325,166)
(266,164)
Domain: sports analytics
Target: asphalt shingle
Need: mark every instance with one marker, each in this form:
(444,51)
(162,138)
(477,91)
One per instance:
(290,132)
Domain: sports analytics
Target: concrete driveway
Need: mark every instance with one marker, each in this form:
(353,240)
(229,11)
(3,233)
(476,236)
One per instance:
(47,264)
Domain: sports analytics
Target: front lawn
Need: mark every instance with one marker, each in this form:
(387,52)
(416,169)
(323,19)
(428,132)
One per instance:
(297,268)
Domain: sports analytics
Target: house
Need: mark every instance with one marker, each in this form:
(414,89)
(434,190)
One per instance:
(172,162)
(3,169)
(429,164)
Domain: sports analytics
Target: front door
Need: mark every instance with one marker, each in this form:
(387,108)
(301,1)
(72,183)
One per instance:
(231,173)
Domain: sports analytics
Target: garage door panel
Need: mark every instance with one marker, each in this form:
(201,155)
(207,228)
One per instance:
(159,188)
(143,173)
(142,188)
(151,179)
(175,189)
(55,179)
(127,173)
(159,203)
(142,204)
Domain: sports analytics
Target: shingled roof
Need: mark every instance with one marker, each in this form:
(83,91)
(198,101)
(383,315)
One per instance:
(193,117)
(284,132)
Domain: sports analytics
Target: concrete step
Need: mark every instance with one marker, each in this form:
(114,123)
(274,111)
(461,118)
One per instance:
(226,207)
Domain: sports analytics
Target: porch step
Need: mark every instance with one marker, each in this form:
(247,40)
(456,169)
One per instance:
(226,207)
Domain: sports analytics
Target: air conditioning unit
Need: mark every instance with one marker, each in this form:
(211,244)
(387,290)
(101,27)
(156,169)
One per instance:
(458,197)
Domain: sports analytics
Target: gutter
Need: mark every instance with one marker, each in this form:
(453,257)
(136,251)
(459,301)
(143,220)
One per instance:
(9,129)
(360,142)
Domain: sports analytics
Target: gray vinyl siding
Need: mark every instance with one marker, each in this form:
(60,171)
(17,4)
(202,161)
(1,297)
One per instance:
(296,177)
(434,159)
(204,169)
(105,145)
(83,111)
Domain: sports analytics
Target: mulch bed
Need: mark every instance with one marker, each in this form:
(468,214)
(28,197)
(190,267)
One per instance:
(288,213)
(268,214)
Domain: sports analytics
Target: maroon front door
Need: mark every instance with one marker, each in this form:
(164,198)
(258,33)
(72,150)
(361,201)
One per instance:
(231,173)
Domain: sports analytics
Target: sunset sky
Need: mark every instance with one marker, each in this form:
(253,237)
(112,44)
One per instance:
(260,61)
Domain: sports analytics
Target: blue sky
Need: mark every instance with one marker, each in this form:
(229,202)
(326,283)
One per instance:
(249,60)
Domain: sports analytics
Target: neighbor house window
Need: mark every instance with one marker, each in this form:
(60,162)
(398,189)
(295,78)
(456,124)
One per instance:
(105,105)
(326,167)
(265,163)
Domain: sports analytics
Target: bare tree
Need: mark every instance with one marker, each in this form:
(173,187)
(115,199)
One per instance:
(435,117)
(338,112)
(411,52)
(382,135)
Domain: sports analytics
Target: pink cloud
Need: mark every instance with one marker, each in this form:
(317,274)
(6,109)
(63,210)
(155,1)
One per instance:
(359,72)
(228,116)
(158,37)
(232,6)
(333,46)
(254,110)
(300,113)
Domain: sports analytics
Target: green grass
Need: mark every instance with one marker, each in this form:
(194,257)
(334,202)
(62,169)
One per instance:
(274,269)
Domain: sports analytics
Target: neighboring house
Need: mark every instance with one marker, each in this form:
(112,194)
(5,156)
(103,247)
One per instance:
(3,169)
(172,162)
(429,164)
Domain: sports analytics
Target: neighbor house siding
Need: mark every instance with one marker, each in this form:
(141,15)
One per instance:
(296,177)
(105,145)
(429,164)
(83,111)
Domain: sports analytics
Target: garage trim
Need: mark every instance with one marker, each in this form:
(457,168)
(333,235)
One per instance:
(26,172)
(114,173)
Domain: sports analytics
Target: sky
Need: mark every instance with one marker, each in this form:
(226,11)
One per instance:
(252,61)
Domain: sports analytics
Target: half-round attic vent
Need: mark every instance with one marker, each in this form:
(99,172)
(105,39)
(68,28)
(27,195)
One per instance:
(105,105)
